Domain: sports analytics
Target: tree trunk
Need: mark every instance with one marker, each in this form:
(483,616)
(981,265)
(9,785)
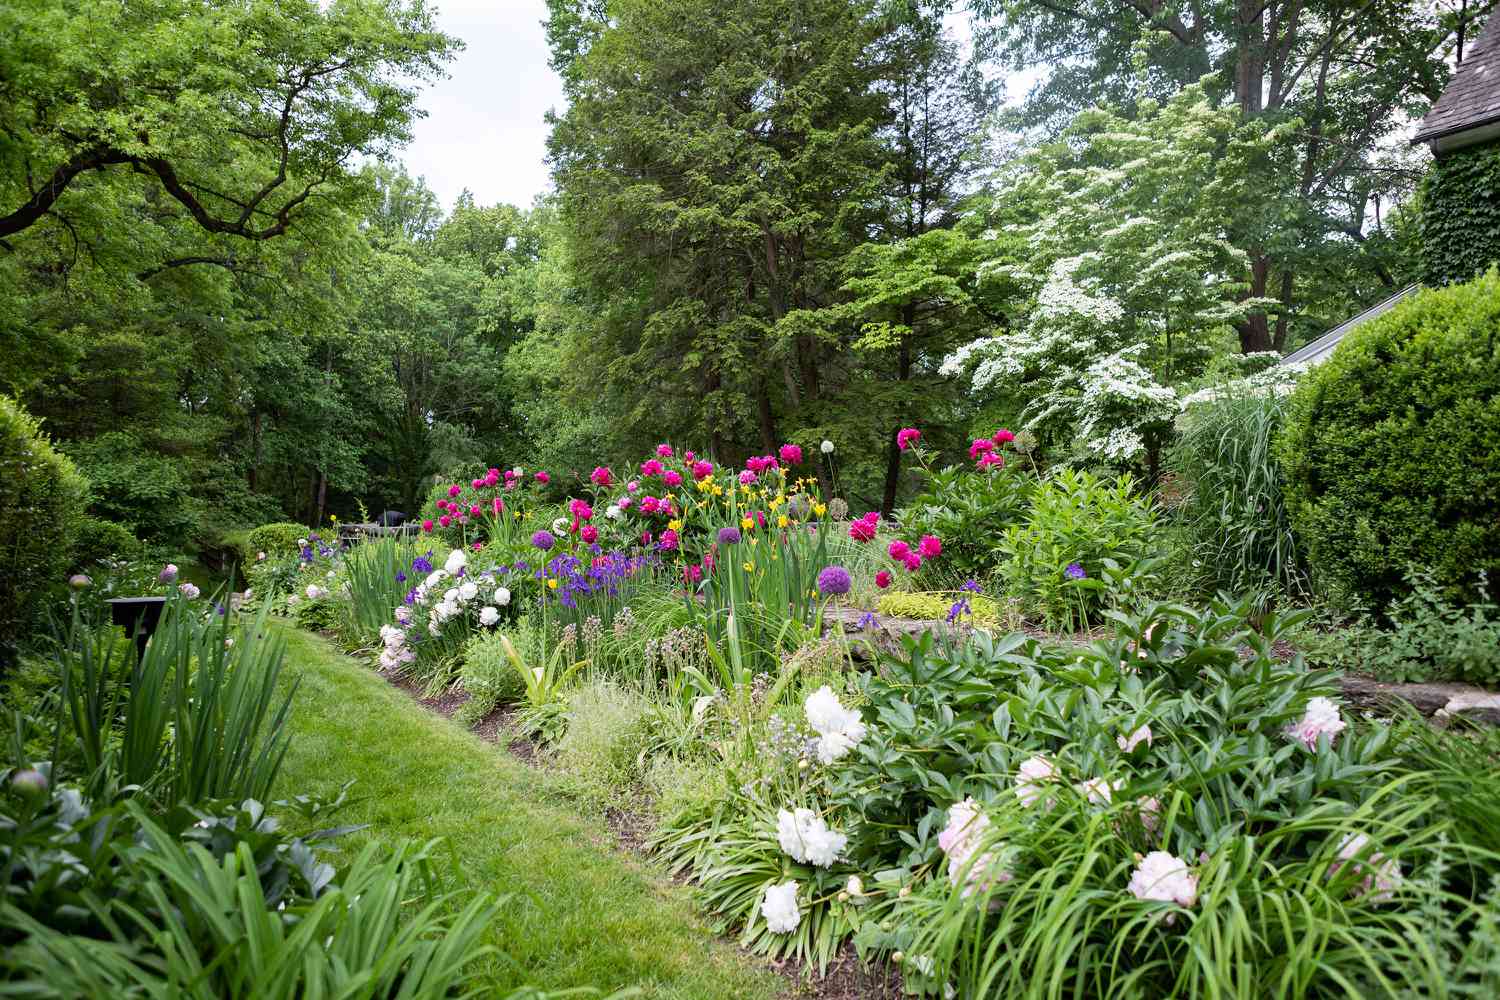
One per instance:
(893,453)
(1255,330)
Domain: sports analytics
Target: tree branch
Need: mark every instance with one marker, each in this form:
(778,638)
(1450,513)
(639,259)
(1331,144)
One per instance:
(42,200)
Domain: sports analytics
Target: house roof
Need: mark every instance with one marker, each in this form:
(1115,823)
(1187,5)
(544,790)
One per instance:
(1472,98)
(1319,349)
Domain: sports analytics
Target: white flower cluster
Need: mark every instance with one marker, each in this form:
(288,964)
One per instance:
(779,907)
(1031,776)
(394,652)
(1277,381)
(839,729)
(805,837)
(454,601)
(1321,718)
(189,591)
(1164,877)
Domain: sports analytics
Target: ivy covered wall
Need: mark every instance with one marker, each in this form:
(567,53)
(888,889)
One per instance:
(1461,215)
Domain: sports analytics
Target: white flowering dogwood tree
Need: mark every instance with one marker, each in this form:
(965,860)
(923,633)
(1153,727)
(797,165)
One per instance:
(1113,245)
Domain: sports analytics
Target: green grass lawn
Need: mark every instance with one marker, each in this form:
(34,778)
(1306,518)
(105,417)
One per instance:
(580,914)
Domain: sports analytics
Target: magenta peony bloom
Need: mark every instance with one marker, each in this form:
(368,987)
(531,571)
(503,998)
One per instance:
(589,534)
(907,436)
(580,509)
(445,520)
(474,510)
(991,459)
(664,451)
(1003,436)
(600,476)
(455,490)
(543,478)
(478,484)
(688,456)
(747,477)
(882,579)
(497,506)
(980,446)
(930,546)
(899,550)
(913,561)
(669,540)
(693,573)
(427,525)
(702,470)
(651,467)
(791,454)
(672,477)
(650,505)
(863,530)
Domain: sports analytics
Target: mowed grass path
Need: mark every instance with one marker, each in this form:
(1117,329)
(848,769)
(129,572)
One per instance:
(579,913)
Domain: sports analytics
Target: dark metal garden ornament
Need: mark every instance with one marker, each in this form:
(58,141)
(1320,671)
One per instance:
(139,616)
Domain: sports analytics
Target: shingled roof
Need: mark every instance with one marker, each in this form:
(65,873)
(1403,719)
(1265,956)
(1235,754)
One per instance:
(1472,98)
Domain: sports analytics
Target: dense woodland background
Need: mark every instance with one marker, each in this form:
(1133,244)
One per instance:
(779,220)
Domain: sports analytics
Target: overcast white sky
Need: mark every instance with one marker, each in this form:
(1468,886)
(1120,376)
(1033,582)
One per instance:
(484,128)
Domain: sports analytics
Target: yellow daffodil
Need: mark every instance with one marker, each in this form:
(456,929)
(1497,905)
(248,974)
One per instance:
(747,523)
(781,521)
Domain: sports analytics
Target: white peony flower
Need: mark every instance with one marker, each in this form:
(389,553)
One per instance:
(805,837)
(502,596)
(1149,809)
(314,592)
(403,615)
(560,526)
(451,596)
(434,578)
(468,591)
(301,543)
(1098,791)
(456,561)
(1380,873)
(839,729)
(488,615)
(779,907)
(612,511)
(854,886)
(1129,743)
(1162,876)
(1321,718)
(1030,776)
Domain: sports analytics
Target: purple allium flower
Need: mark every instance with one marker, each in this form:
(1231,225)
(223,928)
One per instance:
(29,782)
(543,540)
(1075,571)
(834,580)
(168,573)
(728,536)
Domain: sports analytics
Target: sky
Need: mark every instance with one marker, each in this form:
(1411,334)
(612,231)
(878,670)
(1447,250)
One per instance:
(484,129)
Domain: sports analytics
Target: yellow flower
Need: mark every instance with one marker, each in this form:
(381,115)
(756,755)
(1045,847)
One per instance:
(675,524)
(820,508)
(551,583)
(782,522)
(747,523)
(749,567)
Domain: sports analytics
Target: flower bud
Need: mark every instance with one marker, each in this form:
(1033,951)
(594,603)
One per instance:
(29,782)
(843,897)
(905,891)
(79,581)
(898,957)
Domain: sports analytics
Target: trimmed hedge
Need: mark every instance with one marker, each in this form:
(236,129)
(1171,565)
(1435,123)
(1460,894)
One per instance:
(1392,449)
(42,500)
(98,539)
(280,536)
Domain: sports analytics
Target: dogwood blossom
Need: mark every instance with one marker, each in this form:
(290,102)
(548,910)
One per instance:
(805,837)
(779,907)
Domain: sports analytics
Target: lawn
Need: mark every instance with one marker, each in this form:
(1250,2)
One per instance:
(580,914)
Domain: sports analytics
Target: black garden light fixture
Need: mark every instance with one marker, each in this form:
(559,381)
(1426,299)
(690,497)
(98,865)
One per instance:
(138,615)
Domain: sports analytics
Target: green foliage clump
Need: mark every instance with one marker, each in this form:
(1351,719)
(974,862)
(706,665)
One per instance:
(1460,218)
(603,748)
(277,538)
(1075,520)
(42,497)
(1390,448)
(1233,511)
(98,540)
(1431,637)
(968,510)
(487,674)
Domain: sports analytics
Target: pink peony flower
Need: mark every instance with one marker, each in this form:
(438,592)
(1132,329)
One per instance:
(427,525)
(1030,776)
(634,486)
(1135,739)
(1003,436)
(672,477)
(651,467)
(445,520)
(930,546)
(906,437)
(664,451)
(692,573)
(1148,808)
(791,454)
(580,509)
(980,446)
(455,490)
(899,550)
(1380,873)
(882,579)
(688,456)
(589,534)
(474,510)
(991,459)
(1164,877)
(650,505)
(600,476)
(669,540)
(497,506)
(702,470)
(478,484)
(747,477)
(1320,719)
(863,530)
(543,478)
(913,561)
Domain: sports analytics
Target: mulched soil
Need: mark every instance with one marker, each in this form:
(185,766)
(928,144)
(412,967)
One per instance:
(846,977)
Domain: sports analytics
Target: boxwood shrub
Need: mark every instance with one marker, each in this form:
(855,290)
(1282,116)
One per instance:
(42,498)
(1392,449)
(279,537)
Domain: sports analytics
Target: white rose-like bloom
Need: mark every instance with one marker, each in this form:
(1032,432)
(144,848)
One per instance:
(468,591)
(612,511)
(456,561)
(779,907)
(1380,873)
(403,614)
(434,578)
(1030,777)
(1321,718)
(502,596)
(826,447)
(966,826)
(1098,791)
(854,886)
(1165,877)
(314,591)
(839,729)
(488,615)
(189,591)
(559,525)
(451,596)
(805,837)
(1129,743)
